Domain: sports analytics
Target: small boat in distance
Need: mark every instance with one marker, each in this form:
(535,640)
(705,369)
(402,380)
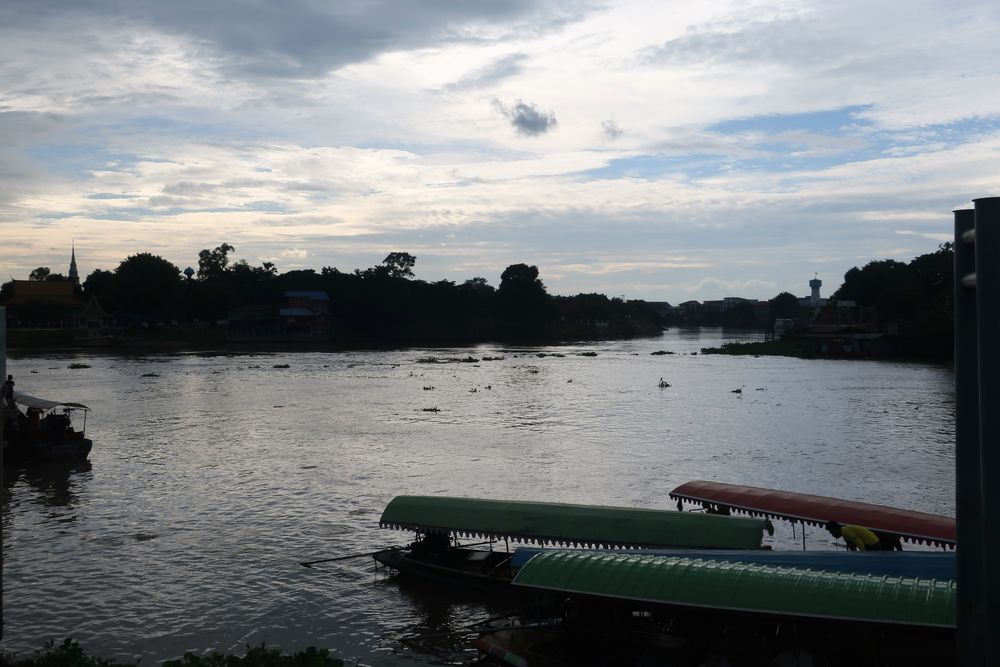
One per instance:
(441,522)
(38,429)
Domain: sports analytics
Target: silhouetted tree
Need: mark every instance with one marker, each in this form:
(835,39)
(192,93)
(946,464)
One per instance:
(213,263)
(784,304)
(147,285)
(523,301)
(98,284)
(39,274)
(400,264)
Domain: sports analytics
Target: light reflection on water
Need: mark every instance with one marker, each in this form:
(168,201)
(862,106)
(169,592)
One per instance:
(212,481)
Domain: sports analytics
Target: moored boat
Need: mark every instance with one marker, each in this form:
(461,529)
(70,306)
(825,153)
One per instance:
(888,522)
(441,523)
(39,429)
(644,608)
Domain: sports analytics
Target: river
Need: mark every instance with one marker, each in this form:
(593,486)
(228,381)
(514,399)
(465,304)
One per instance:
(214,474)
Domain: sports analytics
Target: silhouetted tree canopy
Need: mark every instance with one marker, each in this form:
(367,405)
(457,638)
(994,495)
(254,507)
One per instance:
(147,285)
(784,304)
(400,264)
(41,273)
(213,263)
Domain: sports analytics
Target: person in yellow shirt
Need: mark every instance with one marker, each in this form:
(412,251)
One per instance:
(858,538)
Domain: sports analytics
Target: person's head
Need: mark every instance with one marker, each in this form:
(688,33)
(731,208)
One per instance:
(10,377)
(834,528)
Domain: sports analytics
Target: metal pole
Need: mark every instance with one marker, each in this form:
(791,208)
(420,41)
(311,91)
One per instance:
(988,325)
(968,465)
(3,455)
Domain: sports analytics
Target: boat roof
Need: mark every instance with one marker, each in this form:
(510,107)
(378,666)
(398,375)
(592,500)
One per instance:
(744,587)
(818,510)
(923,564)
(570,525)
(43,403)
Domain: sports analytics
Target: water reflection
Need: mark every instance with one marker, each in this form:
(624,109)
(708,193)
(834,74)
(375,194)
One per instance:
(55,484)
(444,619)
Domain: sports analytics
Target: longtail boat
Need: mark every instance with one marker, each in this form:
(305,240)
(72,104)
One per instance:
(643,608)
(38,429)
(891,522)
(441,522)
(744,587)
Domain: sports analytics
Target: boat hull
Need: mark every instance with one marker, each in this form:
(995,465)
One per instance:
(454,567)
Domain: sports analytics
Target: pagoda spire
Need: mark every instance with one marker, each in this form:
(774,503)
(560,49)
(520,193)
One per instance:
(74,275)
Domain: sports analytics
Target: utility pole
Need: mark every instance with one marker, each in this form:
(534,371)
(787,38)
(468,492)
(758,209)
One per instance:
(3,445)
(977,429)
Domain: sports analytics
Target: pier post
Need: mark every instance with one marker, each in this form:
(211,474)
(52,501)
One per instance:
(968,462)
(987,240)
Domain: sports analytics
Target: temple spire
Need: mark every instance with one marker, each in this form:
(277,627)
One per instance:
(73,273)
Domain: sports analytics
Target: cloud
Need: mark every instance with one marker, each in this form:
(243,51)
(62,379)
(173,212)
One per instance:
(491,74)
(611,130)
(300,38)
(526,118)
(940,237)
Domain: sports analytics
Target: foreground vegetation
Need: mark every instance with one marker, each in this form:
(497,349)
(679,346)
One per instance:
(70,654)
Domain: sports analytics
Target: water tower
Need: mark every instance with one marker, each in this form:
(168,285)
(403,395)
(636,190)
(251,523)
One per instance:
(814,285)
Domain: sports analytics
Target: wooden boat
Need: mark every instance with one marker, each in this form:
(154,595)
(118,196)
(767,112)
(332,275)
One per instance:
(442,522)
(888,522)
(38,429)
(745,587)
(683,610)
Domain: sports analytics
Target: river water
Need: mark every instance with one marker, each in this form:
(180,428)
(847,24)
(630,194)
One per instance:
(211,481)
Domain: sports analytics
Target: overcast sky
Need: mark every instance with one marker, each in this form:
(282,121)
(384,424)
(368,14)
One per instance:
(657,150)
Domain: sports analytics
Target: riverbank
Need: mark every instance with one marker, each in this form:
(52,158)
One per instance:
(174,338)
(811,348)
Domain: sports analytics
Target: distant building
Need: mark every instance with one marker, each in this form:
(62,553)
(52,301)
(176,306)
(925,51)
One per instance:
(74,275)
(730,302)
(813,302)
(52,304)
(304,317)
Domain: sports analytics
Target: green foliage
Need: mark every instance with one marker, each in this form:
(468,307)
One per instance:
(67,654)
(70,654)
(259,656)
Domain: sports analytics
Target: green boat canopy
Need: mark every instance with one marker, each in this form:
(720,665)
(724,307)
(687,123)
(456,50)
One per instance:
(744,587)
(589,526)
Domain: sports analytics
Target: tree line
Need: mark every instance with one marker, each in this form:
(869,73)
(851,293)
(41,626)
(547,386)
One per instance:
(382,303)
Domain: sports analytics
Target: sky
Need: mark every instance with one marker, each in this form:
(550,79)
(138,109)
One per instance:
(656,150)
